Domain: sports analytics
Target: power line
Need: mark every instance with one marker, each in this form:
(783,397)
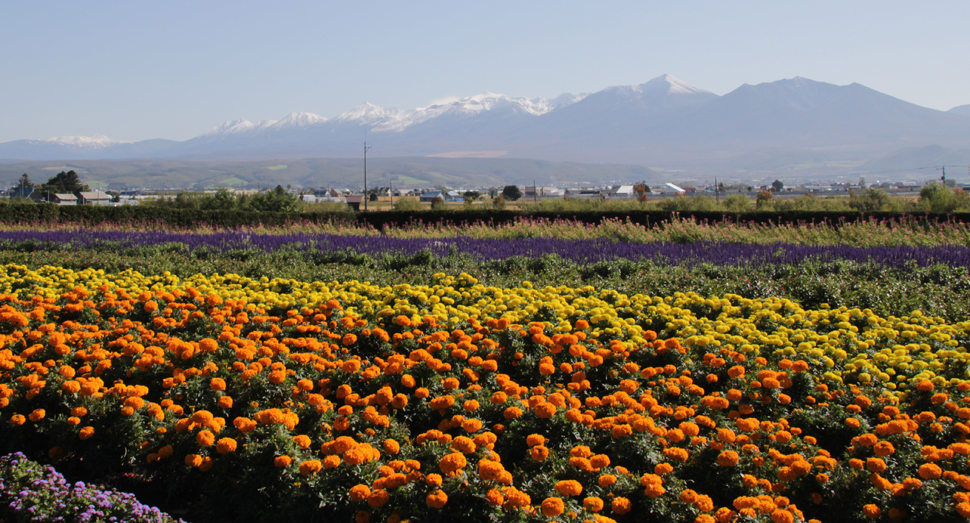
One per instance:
(934,167)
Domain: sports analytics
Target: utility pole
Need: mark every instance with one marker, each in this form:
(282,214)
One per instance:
(365,172)
(535,192)
(943,178)
(717,194)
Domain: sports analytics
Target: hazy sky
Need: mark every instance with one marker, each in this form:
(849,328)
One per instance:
(139,70)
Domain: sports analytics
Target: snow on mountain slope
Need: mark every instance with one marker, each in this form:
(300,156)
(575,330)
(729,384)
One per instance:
(296,121)
(88,142)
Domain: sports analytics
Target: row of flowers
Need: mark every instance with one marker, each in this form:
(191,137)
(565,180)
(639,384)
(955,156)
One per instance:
(335,247)
(258,398)
(873,232)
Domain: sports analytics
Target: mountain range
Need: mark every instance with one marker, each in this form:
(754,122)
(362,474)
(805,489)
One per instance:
(665,122)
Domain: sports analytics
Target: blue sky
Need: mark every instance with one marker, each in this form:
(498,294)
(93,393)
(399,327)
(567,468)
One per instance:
(139,70)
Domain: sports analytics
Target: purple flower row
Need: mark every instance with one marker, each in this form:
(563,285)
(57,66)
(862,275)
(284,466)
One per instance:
(584,252)
(33,492)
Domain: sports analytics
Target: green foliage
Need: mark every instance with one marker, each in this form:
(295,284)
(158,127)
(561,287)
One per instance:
(936,197)
(511,193)
(64,182)
(870,200)
(438,204)
(408,203)
(737,203)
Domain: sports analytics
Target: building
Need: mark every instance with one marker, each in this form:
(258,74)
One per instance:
(63,199)
(93,198)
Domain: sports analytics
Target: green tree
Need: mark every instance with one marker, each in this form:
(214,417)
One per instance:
(642,191)
(498,202)
(65,182)
(277,200)
(24,181)
(511,193)
(438,204)
(936,197)
(408,203)
(777,185)
(869,200)
(737,203)
(763,200)
(471,195)
(222,200)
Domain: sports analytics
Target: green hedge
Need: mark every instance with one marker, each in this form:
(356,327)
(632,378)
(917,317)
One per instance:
(91,215)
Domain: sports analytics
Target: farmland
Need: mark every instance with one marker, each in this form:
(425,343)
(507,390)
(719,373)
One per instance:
(529,371)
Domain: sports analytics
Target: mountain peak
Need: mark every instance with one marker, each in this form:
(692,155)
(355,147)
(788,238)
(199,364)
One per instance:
(297,119)
(671,85)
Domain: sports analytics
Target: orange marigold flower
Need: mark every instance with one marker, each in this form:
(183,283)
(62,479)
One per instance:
(379,498)
(282,461)
(539,453)
(728,458)
(37,415)
(205,438)
(621,505)
(930,471)
(311,467)
(437,499)
(535,439)
(85,433)
(606,480)
(593,504)
(226,446)
(193,460)
(552,507)
(452,462)
(871,511)
(359,492)
(569,487)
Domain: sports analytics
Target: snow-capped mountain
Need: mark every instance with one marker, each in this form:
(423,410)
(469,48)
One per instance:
(663,120)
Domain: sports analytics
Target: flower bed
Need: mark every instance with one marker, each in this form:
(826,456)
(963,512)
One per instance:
(30,491)
(259,400)
(338,248)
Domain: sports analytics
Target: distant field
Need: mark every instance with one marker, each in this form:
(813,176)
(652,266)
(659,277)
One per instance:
(232,182)
(412,181)
(277,167)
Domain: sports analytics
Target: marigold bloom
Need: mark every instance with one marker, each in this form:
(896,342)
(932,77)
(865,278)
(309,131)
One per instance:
(930,471)
(452,462)
(552,507)
(205,438)
(872,511)
(282,461)
(593,504)
(359,492)
(621,505)
(311,467)
(226,446)
(728,458)
(569,487)
(379,498)
(437,499)
(85,433)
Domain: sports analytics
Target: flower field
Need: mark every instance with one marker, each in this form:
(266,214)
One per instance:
(253,398)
